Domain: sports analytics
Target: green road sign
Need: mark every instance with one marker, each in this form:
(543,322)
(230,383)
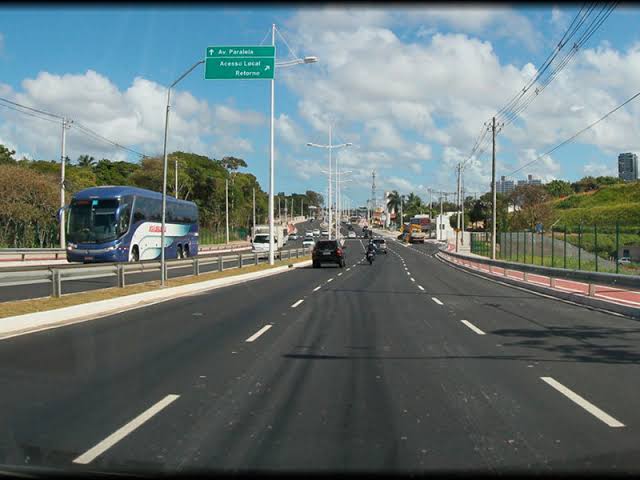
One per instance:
(240,62)
(242,51)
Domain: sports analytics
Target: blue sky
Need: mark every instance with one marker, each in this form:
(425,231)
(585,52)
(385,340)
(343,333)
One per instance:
(410,87)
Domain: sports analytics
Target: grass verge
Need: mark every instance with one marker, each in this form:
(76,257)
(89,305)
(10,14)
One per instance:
(21,307)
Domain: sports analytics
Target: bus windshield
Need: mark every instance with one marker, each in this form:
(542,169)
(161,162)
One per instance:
(93,221)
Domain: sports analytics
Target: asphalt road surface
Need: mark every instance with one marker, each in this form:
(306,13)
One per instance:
(38,290)
(406,365)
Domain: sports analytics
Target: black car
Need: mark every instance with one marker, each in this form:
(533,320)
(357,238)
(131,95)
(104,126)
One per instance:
(327,251)
(381,244)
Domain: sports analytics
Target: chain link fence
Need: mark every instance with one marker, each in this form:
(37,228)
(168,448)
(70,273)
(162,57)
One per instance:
(611,248)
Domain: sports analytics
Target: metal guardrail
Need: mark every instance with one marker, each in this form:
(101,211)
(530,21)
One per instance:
(58,274)
(61,253)
(591,278)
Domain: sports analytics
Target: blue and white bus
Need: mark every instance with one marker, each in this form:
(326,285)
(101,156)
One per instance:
(124,224)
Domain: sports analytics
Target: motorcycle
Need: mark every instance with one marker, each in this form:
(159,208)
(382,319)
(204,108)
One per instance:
(370,256)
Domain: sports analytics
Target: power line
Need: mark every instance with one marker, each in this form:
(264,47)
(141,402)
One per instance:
(80,127)
(32,109)
(576,134)
(514,109)
(88,131)
(28,113)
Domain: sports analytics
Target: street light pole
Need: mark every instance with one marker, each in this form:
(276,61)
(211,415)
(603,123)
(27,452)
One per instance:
(164,174)
(63,156)
(226,205)
(271,156)
(254,212)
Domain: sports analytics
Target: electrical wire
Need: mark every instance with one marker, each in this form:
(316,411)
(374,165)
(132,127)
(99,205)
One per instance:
(90,132)
(28,113)
(591,28)
(576,134)
(32,109)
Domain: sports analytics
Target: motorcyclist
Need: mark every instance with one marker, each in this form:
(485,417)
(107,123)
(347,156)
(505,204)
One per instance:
(371,248)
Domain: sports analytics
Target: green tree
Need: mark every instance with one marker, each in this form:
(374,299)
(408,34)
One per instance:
(29,201)
(6,155)
(532,203)
(558,188)
(86,161)
(114,173)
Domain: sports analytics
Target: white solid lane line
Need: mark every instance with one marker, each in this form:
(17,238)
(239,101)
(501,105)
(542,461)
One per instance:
(437,301)
(420,287)
(297,303)
(472,327)
(317,288)
(588,406)
(258,333)
(125,430)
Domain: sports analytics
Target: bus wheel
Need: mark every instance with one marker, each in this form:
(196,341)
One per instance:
(186,251)
(135,254)
(179,254)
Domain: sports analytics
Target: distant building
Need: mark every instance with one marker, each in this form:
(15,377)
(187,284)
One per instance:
(628,167)
(505,186)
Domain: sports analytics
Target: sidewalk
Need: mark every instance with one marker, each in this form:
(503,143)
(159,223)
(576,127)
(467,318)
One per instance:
(617,295)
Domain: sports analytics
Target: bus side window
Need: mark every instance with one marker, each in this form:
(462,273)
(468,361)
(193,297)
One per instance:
(138,214)
(154,210)
(125,214)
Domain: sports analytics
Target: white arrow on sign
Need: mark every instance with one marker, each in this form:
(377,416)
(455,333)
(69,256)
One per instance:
(211,51)
(268,67)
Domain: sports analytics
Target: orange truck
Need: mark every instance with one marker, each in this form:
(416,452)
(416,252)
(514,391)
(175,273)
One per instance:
(414,233)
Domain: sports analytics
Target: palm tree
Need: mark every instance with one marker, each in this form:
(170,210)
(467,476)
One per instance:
(86,161)
(413,204)
(393,202)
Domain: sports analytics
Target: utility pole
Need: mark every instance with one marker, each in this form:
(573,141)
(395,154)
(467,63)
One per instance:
(254,211)
(63,156)
(330,149)
(458,204)
(441,215)
(176,183)
(430,214)
(493,189)
(226,204)
(279,210)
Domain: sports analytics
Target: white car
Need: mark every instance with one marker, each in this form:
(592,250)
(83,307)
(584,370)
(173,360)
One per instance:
(308,242)
(316,232)
(351,234)
(324,233)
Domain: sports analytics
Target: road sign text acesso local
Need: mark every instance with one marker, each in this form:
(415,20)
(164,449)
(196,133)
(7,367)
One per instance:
(255,62)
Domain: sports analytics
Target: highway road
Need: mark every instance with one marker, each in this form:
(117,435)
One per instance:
(406,365)
(23,292)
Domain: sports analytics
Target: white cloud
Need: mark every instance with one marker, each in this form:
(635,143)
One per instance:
(499,22)
(599,169)
(133,117)
(287,129)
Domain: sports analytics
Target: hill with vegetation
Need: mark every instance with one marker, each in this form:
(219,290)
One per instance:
(605,206)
